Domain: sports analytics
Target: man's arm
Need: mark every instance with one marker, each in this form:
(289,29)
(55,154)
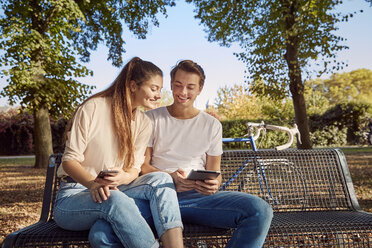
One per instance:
(179,176)
(147,167)
(211,186)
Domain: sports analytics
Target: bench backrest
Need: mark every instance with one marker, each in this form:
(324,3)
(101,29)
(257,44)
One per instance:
(293,180)
(290,180)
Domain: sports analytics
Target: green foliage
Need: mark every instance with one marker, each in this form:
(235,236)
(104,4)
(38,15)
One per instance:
(280,110)
(316,101)
(267,29)
(329,136)
(16,133)
(43,40)
(352,86)
(350,116)
(235,103)
(39,57)
(281,40)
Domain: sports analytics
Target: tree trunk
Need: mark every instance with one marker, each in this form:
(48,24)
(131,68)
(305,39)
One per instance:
(42,137)
(295,81)
(301,117)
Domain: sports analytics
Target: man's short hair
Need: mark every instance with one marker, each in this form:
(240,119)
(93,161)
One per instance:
(189,66)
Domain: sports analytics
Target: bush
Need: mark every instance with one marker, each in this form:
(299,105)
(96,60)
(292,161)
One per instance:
(16,133)
(329,136)
(350,116)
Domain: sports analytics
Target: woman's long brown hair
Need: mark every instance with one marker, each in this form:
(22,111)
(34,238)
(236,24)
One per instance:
(139,71)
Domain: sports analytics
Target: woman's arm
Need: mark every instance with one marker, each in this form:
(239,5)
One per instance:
(77,172)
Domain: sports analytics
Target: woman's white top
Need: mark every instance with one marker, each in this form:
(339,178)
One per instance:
(93,142)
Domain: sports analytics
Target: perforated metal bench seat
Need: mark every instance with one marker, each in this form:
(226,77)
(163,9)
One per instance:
(310,191)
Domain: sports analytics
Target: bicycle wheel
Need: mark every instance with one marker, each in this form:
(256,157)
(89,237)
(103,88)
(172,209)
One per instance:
(280,182)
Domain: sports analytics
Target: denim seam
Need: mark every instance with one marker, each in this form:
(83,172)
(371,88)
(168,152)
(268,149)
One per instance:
(223,209)
(156,199)
(113,224)
(108,218)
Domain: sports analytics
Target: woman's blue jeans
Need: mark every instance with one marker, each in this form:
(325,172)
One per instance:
(76,210)
(250,215)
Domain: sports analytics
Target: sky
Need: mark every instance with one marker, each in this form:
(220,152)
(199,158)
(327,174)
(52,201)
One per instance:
(179,36)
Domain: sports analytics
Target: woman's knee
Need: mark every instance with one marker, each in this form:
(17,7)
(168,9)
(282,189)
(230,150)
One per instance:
(119,199)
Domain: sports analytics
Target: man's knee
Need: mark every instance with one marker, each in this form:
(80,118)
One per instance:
(255,205)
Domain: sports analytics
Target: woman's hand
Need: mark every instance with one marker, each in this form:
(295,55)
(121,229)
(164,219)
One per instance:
(99,192)
(182,184)
(114,180)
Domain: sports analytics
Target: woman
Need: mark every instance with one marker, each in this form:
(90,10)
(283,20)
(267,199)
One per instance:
(108,132)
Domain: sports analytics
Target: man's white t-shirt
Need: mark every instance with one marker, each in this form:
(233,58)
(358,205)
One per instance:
(183,143)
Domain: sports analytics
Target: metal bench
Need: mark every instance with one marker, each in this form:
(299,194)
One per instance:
(310,191)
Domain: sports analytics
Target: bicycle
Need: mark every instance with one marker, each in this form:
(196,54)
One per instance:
(278,171)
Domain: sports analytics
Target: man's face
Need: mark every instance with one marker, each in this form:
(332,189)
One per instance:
(185,88)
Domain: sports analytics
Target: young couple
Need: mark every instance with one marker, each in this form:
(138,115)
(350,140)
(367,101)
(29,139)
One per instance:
(108,132)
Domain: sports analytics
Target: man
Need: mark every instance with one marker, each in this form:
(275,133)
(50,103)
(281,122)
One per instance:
(186,138)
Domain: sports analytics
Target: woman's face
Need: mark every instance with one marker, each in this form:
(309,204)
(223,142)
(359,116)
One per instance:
(148,94)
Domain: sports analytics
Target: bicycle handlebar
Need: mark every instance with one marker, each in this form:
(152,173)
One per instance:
(262,126)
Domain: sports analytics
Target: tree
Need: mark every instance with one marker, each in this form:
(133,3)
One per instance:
(234,103)
(354,86)
(280,40)
(316,101)
(45,42)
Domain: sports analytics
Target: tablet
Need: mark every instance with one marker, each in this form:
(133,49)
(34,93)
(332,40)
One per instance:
(203,174)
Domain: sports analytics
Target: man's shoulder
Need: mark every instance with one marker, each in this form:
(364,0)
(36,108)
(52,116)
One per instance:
(156,112)
(207,117)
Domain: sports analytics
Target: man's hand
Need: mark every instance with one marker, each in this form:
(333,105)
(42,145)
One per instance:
(207,187)
(182,184)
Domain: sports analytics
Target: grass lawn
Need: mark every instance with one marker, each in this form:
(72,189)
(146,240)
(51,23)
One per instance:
(21,188)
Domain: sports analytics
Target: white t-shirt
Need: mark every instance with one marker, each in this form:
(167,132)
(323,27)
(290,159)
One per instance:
(183,143)
(93,142)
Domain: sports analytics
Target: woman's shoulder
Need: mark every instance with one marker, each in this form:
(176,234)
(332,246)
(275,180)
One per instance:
(142,117)
(97,104)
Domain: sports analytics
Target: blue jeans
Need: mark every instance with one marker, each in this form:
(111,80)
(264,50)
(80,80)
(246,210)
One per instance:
(76,210)
(250,215)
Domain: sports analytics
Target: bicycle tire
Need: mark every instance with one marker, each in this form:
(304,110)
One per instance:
(276,179)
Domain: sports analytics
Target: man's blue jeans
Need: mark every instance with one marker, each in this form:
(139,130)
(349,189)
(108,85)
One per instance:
(250,215)
(76,210)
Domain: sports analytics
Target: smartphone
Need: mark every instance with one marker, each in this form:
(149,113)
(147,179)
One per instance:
(104,173)
(203,174)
